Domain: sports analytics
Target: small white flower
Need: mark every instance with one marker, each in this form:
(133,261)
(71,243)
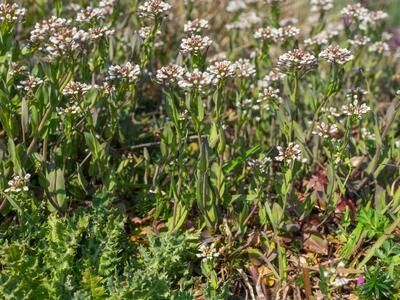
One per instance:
(341,264)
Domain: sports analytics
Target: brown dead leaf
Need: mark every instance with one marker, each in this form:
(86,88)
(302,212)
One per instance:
(315,242)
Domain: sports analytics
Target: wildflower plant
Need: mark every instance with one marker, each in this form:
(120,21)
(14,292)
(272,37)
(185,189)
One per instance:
(161,149)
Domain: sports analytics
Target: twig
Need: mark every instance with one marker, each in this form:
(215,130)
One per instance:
(152,144)
(247,283)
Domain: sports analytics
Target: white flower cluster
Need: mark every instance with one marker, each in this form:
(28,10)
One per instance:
(222,69)
(274,1)
(356,94)
(326,130)
(243,68)
(196,26)
(98,33)
(128,73)
(240,24)
(336,55)
(276,34)
(207,252)
(59,37)
(273,76)
(367,135)
(70,109)
(107,6)
(235,6)
(359,41)
(90,14)
(321,5)
(11,13)
(379,48)
(296,61)
(322,38)
(247,105)
(195,44)
(291,153)
(46,28)
(265,34)
(331,111)
(261,164)
(170,74)
(245,21)
(18,184)
(16,69)
(76,89)
(197,79)
(364,17)
(144,32)
(65,42)
(153,9)
(355,109)
(287,32)
(29,84)
(355,11)
(269,94)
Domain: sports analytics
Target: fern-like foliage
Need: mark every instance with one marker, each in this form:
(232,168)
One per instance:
(87,255)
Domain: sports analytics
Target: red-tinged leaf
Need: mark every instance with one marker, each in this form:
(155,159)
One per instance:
(341,207)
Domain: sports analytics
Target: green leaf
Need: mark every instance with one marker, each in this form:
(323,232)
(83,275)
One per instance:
(213,137)
(231,165)
(24,116)
(56,183)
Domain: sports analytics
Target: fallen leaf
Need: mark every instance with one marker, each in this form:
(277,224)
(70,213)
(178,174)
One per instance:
(315,243)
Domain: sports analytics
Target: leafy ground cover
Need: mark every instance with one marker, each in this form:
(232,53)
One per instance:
(199,149)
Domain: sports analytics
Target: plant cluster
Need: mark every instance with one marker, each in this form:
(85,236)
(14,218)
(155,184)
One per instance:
(155,149)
